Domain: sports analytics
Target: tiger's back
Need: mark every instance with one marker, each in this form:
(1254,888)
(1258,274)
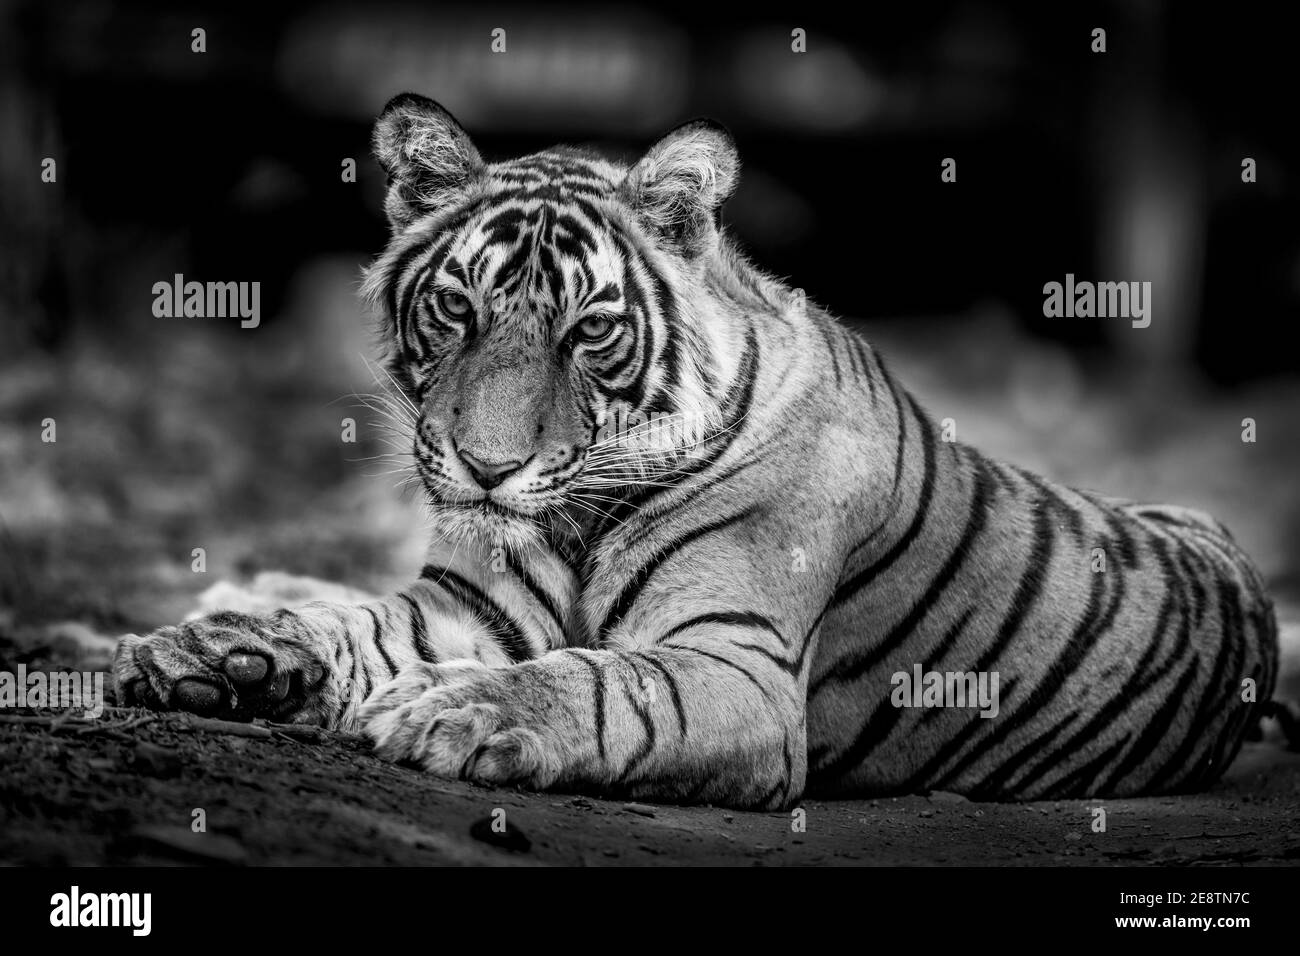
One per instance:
(1125,643)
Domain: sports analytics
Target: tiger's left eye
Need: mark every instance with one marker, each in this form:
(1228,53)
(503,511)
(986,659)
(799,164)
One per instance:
(596,327)
(454,304)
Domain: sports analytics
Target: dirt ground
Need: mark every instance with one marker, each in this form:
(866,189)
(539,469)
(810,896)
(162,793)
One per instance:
(88,794)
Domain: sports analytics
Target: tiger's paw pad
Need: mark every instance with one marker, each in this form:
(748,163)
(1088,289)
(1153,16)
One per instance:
(456,721)
(229,665)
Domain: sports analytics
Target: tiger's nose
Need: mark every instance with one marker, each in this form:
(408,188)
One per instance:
(488,474)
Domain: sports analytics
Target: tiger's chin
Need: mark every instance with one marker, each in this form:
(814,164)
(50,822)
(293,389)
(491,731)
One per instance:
(487,523)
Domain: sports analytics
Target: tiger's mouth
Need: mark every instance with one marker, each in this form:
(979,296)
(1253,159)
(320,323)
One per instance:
(485,521)
(486,507)
(491,507)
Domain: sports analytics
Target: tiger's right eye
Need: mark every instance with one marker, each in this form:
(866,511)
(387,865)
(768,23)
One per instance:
(454,304)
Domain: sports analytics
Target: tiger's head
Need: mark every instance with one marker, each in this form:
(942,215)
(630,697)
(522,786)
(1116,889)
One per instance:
(555,322)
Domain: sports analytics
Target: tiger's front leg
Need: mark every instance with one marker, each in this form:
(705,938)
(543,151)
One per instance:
(697,692)
(317,663)
(703,717)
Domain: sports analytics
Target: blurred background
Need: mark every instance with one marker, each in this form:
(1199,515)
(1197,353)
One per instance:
(225,165)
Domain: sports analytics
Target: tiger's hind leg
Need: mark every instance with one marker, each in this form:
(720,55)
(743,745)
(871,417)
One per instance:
(1235,633)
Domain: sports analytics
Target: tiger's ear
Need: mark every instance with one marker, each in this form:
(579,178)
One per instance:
(425,154)
(680,184)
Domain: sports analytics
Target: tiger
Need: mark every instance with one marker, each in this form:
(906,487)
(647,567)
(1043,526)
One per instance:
(690,537)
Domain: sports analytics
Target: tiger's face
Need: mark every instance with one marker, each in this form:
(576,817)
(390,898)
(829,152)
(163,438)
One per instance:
(540,315)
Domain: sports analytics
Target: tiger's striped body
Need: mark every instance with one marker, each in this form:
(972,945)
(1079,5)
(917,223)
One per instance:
(722,618)
(1114,682)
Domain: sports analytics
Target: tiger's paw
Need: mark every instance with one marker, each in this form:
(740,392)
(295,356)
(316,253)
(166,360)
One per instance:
(233,666)
(460,720)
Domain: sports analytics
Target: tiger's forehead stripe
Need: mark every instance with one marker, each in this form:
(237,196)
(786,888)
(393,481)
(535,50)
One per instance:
(560,166)
(530,240)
